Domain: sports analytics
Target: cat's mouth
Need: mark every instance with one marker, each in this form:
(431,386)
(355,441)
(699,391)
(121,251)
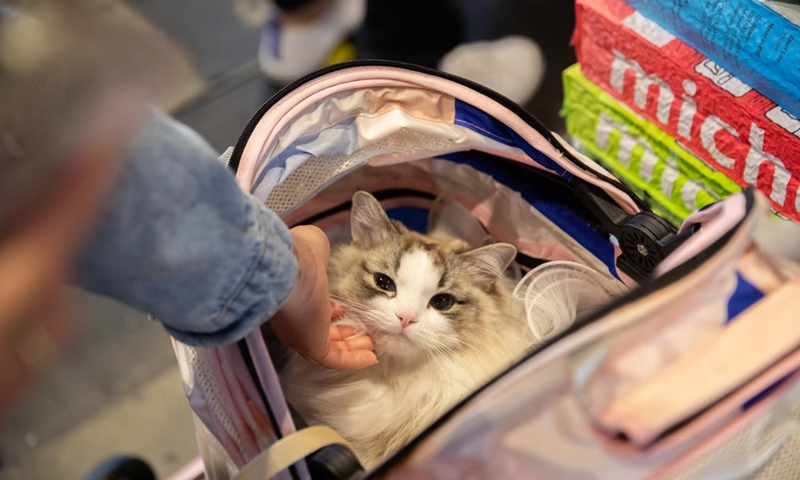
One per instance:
(399,335)
(393,342)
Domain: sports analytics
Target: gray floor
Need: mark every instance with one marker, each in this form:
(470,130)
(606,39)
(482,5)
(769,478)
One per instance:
(118,391)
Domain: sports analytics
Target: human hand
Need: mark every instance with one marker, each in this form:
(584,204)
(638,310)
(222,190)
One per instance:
(304,320)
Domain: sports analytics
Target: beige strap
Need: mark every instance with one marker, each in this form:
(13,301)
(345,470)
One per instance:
(288,451)
(758,338)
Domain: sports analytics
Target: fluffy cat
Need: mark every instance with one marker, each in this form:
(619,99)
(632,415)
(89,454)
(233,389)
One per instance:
(440,315)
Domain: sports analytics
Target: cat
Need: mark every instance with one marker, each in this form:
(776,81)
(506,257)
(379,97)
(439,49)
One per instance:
(439,312)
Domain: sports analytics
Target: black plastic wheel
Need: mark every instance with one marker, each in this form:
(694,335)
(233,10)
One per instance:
(640,240)
(122,468)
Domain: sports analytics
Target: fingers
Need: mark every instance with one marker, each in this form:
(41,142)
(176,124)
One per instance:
(360,342)
(361,359)
(347,350)
(337,310)
(345,336)
(314,241)
(345,359)
(341,332)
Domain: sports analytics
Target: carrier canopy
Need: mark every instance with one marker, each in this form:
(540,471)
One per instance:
(347,116)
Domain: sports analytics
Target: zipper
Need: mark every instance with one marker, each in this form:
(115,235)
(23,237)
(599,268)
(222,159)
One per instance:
(526,116)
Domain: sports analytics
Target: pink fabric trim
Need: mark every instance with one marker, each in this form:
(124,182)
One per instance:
(272,389)
(283,112)
(249,429)
(715,221)
(548,251)
(729,420)
(222,434)
(193,470)
(235,452)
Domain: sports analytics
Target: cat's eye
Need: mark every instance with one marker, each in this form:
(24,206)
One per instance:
(384,282)
(442,301)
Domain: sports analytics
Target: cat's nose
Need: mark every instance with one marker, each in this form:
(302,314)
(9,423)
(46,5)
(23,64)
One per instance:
(405,319)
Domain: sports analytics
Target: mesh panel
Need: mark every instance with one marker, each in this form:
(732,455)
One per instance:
(309,176)
(216,462)
(769,449)
(316,171)
(204,378)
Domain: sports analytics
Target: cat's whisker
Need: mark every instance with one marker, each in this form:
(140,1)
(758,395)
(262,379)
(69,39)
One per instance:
(440,347)
(435,358)
(388,272)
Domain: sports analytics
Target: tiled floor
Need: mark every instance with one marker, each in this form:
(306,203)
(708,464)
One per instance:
(119,389)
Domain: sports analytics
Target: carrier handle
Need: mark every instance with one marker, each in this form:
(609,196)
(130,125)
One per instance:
(289,450)
(645,239)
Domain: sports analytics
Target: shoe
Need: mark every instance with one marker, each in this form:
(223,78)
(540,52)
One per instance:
(287,52)
(513,66)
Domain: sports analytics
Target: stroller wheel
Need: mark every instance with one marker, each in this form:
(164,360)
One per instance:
(122,468)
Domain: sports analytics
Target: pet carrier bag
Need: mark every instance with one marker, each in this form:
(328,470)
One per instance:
(690,371)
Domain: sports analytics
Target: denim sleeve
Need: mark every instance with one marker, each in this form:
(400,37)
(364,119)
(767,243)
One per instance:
(182,242)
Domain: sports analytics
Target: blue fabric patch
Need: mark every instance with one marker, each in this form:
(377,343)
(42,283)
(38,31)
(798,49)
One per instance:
(341,138)
(761,395)
(414,218)
(745,295)
(479,121)
(574,226)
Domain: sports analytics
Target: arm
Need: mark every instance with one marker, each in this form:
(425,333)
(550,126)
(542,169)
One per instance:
(182,242)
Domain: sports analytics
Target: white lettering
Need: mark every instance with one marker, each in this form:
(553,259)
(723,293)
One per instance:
(647,164)
(688,110)
(642,85)
(605,125)
(648,29)
(629,142)
(708,131)
(756,157)
(710,128)
(689,193)
(669,176)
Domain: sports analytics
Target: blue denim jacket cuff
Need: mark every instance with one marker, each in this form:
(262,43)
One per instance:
(260,291)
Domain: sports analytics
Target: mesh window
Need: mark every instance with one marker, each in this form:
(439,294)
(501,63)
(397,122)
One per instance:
(768,449)
(316,171)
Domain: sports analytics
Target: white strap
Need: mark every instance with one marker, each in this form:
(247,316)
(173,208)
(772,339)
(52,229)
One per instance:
(288,451)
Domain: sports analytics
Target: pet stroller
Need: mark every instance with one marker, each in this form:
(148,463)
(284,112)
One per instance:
(688,372)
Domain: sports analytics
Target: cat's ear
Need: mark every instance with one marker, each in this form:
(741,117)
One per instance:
(487,264)
(369,225)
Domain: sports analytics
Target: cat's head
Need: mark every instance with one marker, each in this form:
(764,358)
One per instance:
(415,295)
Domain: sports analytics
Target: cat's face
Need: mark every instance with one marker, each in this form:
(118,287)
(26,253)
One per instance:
(414,295)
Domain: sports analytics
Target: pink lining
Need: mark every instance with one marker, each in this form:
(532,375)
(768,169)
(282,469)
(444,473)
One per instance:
(716,221)
(272,389)
(191,471)
(235,453)
(284,112)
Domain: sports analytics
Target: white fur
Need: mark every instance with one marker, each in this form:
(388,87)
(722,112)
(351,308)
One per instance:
(422,371)
(417,281)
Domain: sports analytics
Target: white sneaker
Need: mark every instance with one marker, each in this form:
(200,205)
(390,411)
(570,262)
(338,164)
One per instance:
(287,52)
(513,66)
